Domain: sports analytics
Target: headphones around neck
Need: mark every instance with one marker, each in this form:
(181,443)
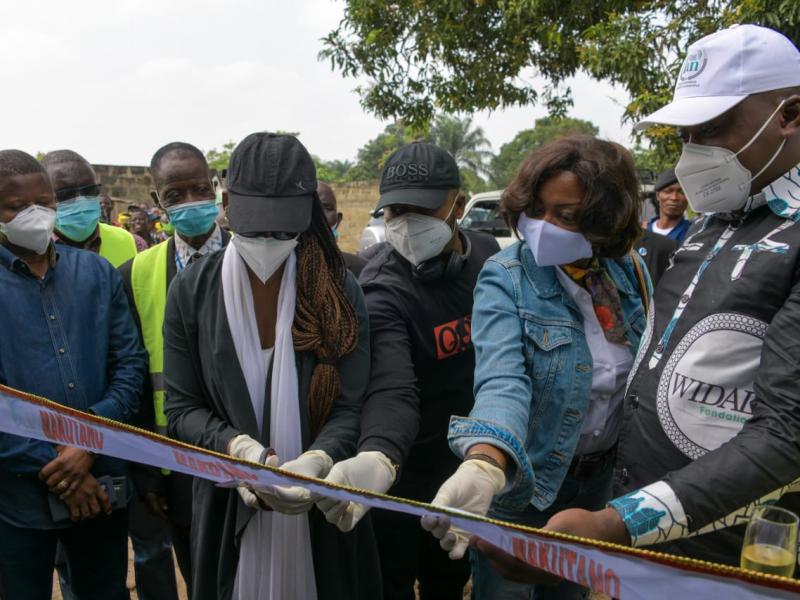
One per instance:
(440,268)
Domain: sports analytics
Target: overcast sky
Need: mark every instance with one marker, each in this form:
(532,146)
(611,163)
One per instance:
(116,79)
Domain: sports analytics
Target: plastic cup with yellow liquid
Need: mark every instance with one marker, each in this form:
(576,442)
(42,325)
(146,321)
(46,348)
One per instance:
(770,542)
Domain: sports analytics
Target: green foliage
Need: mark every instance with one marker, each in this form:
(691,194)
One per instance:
(219,159)
(466,143)
(547,129)
(423,57)
(333,171)
(653,159)
(374,153)
(473,183)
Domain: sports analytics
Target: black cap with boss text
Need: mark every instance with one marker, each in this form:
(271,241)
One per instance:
(419,174)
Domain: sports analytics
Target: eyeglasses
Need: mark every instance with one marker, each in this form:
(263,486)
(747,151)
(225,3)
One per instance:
(73,192)
(282,236)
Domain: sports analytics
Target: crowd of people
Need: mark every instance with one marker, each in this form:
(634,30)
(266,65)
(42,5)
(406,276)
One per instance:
(623,381)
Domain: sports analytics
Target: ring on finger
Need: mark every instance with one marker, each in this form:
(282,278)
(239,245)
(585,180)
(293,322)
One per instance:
(62,485)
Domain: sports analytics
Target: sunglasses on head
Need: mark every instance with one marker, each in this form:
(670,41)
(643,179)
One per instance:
(74,192)
(282,236)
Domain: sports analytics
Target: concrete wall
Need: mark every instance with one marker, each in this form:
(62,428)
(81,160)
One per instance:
(126,184)
(355,201)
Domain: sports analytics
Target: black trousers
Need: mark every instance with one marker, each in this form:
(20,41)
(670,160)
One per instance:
(96,552)
(154,539)
(179,499)
(408,553)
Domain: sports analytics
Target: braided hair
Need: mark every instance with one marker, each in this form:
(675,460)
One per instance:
(325,322)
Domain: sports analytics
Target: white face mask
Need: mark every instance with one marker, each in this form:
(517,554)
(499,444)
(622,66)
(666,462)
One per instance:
(552,245)
(31,229)
(419,237)
(713,179)
(263,255)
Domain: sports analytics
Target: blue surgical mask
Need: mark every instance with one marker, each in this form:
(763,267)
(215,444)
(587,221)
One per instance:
(335,231)
(193,218)
(77,218)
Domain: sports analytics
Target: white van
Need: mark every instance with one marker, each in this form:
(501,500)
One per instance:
(483,214)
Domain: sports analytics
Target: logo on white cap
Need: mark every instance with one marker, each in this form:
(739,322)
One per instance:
(694,64)
(722,69)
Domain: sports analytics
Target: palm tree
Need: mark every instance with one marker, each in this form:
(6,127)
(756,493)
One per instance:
(466,143)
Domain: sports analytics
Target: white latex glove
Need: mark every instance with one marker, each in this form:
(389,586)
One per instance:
(246,448)
(371,471)
(249,495)
(471,489)
(294,500)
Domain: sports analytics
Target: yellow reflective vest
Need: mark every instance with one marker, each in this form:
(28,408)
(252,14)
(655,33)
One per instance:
(149,286)
(117,246)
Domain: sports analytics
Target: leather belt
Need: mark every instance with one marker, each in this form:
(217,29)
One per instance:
(589,465)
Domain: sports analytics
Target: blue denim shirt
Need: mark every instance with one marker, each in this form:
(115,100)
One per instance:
(533,374)
(69,337)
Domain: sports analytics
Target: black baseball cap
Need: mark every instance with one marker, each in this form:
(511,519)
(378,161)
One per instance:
(271,184)
(665,178)
(419,174)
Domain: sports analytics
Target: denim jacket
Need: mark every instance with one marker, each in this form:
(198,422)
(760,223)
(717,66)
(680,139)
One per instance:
(68,337)
(533,373)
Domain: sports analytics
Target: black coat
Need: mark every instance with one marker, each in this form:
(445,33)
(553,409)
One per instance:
(207,404)
(655,249)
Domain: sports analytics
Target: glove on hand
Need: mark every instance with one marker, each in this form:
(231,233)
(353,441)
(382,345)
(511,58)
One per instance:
(367,471)
(246,448)
(294,500)
(471,489)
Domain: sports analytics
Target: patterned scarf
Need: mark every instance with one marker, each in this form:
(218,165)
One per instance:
(605,299)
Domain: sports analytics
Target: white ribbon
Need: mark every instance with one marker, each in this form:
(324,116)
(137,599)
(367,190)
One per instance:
(624,573)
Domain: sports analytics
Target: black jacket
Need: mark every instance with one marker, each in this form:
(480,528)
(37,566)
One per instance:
(354,263)
(422,358)
(713,406)
(207,404)
(655,250)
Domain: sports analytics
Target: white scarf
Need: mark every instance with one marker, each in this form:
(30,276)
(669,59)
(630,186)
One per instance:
(275,559)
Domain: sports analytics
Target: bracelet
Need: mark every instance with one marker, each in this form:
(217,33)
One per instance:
(485,458)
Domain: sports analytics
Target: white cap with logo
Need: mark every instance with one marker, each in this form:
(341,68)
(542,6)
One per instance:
(722,69)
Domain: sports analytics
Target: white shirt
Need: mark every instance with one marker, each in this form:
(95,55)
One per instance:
(611,364)
(657,229)
(184,252)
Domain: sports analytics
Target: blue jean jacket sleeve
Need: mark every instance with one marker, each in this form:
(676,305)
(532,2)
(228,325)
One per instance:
(502,395)
(126,360)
